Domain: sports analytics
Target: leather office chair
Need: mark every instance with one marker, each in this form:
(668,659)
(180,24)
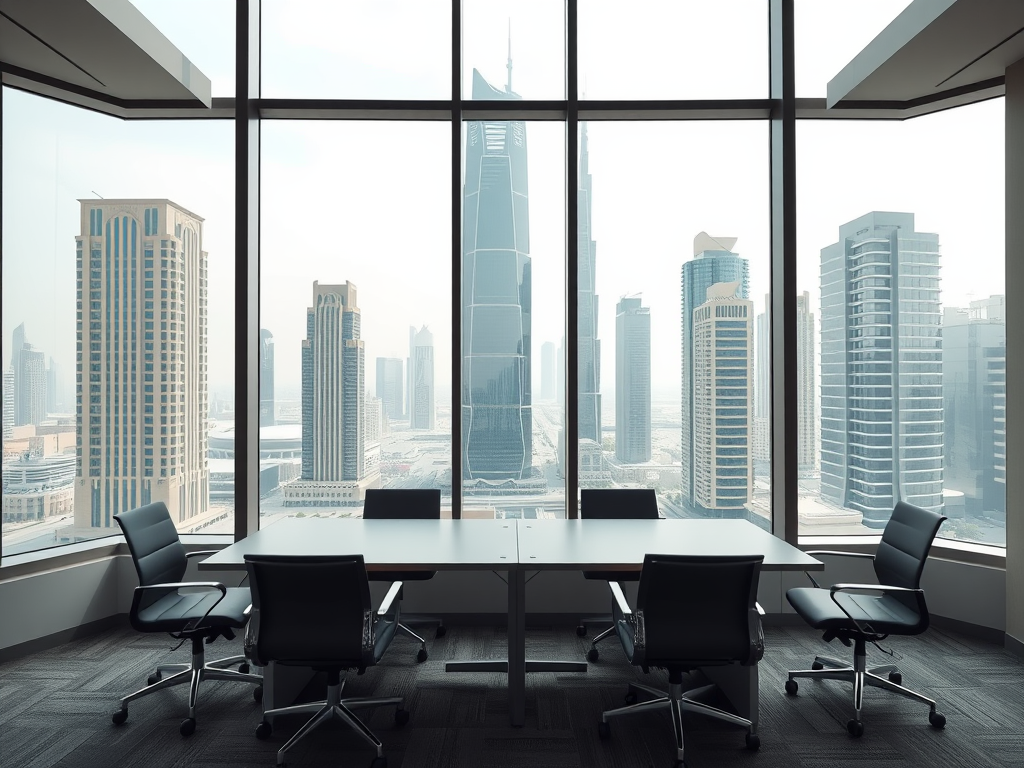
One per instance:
(405,504)
(207,611)
(613,504)
(691,612)
(315,612)
(867,613)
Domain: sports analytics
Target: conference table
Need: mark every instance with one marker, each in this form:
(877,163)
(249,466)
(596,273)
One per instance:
(519,547)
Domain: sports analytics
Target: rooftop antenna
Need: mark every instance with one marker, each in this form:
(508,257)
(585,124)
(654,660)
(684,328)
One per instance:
(508,86)
(97,194)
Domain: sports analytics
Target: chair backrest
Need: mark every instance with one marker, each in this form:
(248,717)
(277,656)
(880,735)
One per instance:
(153,542)
(310,610)
(903,550)
(699,610)
(402,503)
(618,503)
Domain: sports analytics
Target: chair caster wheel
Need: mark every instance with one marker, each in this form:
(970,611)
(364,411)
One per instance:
(855,727)
(379,762)
(604,730)
(937,719)
(257,694)
(896,677)
(753,741)
(263,730)
(442,630)
(593,655)
(581,631)
(422,655)
(630,698)
(187,727)
(119,717)
(792,687)
(153,679)
(817,665)
(401,717)
(244,667)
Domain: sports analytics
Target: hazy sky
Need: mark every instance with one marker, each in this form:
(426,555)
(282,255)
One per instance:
(370,202)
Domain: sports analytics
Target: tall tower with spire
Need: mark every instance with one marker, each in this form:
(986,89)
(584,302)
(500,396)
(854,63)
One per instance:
(589,363)
(497,414)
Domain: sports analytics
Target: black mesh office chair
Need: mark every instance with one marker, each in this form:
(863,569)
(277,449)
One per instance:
(406,504)
(867,613)
(691,612)
(204,611)
(613,504)
(315,612)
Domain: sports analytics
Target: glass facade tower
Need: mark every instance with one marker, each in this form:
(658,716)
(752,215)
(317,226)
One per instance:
(497,419)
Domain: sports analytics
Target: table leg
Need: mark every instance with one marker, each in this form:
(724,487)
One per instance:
(517,647)
(739,684)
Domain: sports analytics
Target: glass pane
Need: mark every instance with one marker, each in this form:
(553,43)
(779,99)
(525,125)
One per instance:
(904,258)
(688,50)
(117,363)
(355,303)
(513,288)
(359,49)
(532,35)
(203,30)
(668,333)
(829,35)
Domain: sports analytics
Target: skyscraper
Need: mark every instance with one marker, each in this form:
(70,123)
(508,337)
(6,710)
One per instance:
(421,399)
(333,393)
(266,378)
(497,418)
(713,262)
(18,340)
(142,393)
(589,361)
(723,476)
(30,393)
(8,413)
(632,381)
(881,367)
(974,400)
(389,386)
(547,370)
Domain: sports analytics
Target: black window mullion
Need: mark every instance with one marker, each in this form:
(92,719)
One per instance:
(456,126)
(572,385)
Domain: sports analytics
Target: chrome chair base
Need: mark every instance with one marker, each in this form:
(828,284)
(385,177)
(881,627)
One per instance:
(333,707)
(678,701)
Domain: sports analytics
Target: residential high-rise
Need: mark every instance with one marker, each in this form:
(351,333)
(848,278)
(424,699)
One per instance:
(421,399)
(30,392)
(267,417)
(881,367)
(8,413)
(333,391)
(589,360)
(547,370)
(389,386)
(807,426)
(723,474)
(713,262)
(632,381)
(497,417)
(974,403)
(142,392)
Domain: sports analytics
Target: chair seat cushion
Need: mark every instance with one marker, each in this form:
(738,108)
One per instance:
(883,613)
(399,575)
(172,612)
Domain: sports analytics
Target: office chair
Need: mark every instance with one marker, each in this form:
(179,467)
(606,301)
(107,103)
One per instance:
(406,504)
(315,612)
(613,504)
(206,611)
(691,612)
(868,613)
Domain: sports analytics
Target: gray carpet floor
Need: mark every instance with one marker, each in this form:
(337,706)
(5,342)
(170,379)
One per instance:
(55,710)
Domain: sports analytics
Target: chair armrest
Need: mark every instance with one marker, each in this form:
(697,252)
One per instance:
(389,598)
(203,552)
(835,552)
(760,610)
(620,598)
(183,584)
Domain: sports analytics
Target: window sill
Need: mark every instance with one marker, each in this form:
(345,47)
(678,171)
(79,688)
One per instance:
(944,549)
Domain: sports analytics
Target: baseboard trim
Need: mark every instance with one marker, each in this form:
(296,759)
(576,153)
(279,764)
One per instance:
(990,634)
(1014,646)
(64,636)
